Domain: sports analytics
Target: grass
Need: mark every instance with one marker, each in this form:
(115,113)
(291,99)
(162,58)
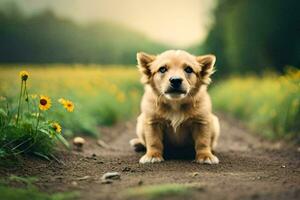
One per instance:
(270,105)
(29,191)
(158,191)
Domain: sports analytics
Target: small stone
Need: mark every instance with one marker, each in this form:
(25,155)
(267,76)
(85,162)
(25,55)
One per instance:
(74,183)
(282,166)
(111,175)
(78,143)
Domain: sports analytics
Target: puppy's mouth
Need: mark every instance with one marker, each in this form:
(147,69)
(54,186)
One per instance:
(172,93)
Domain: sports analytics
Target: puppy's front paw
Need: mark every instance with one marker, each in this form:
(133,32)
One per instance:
(207,158)
(151,158)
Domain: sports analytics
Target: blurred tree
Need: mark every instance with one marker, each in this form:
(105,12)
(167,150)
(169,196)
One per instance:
(252,35)
(47,38)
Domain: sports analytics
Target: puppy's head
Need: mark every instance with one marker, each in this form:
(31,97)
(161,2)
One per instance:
(175,74)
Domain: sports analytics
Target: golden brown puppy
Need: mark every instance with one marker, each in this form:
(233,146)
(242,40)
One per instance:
(176,107)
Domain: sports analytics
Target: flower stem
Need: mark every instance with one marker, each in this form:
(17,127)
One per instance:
(38,120)
(20,99)
(26,95)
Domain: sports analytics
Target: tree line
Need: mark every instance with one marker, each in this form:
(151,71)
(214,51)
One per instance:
(255,35)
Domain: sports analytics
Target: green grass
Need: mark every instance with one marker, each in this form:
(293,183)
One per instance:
(158,191)
(29,191)
(270,105)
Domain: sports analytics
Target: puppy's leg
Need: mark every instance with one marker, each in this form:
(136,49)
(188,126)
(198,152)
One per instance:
(138,143)
(202,137)
(154,146)
(215,132)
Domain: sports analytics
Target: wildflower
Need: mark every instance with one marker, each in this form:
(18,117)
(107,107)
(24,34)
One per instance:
(61,100)
(45,102)
(69,105)
(56,127)
(24,75)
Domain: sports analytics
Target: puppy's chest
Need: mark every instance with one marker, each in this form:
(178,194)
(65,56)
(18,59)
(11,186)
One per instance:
(177,133)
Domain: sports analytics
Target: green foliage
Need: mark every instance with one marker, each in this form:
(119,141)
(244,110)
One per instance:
(250,35)
(159,191)
(270,105)
(26,129)
(30,192)
(45,38)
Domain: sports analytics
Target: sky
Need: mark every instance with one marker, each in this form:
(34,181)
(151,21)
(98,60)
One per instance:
(178,23)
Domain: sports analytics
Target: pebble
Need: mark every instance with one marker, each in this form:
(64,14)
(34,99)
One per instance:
(74,183)
(78,143)
(111,176)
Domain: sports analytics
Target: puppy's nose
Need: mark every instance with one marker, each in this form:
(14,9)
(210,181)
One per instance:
(175,81)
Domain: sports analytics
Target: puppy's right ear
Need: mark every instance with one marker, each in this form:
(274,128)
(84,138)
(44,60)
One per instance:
(144,61)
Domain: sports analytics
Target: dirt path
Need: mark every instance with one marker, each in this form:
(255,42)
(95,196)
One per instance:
(249,168)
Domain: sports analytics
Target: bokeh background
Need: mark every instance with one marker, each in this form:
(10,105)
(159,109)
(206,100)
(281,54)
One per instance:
(86,51)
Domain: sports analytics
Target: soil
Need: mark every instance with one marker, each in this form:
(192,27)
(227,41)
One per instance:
(249,168)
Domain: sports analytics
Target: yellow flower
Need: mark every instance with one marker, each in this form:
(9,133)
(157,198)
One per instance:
(56,127)
(69,105)
(24,75)
(62,100)
(45,102)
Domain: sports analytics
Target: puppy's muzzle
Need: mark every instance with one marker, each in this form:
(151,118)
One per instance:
(175,85)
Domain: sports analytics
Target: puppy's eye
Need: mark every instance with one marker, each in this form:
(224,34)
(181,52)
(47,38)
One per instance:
(162,69)
(188,70)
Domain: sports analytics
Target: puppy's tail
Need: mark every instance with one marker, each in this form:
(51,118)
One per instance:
(137,145)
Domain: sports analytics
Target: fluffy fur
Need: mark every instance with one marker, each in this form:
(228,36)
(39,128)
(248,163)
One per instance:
(180,118)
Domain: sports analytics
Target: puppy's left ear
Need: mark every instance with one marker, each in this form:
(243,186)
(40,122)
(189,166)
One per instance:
(144,61)
(207,63)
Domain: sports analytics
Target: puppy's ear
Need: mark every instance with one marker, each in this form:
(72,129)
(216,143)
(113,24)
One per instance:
(207,63)
(144,61)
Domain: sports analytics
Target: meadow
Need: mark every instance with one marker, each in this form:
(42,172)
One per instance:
(267,104)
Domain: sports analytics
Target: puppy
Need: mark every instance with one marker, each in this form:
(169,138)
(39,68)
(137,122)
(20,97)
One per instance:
(176,108)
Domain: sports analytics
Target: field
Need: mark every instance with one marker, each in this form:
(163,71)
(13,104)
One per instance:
(269,105)
(103,95)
